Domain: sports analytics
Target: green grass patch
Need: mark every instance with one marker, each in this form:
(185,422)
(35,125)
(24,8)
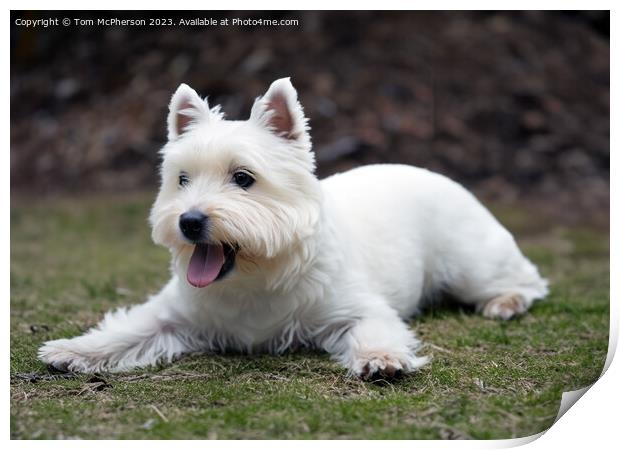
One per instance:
(74,259)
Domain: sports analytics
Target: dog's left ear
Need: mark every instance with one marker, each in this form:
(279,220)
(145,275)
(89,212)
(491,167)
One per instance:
(280,111)
(187,109)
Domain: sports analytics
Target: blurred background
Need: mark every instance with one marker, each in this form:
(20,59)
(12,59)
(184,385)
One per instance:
(513,105)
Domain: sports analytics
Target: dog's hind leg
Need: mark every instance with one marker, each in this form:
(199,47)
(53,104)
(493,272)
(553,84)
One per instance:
(505,306)
(140,336)
(501,286)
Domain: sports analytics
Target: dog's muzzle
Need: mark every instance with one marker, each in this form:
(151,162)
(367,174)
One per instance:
(210,261)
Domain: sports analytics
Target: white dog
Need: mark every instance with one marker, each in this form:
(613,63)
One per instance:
(265,257)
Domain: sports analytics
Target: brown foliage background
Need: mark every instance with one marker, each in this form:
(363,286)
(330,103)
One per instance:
(513,105)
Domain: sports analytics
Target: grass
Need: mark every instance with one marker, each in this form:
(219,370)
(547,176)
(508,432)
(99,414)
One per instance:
(73,259)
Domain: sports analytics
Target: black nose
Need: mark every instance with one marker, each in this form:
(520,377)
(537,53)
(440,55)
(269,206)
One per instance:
(193,225)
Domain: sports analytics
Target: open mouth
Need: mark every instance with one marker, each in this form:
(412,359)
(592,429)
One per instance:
(209,263)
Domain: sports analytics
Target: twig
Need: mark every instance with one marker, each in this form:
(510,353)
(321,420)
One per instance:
(436,347)
(159,413)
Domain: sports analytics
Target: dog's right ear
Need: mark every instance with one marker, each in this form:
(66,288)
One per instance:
(279,111)
(185,110)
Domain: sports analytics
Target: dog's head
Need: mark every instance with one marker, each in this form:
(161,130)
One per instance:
(235,194)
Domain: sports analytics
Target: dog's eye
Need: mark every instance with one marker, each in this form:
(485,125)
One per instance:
(243,179)
(183,179)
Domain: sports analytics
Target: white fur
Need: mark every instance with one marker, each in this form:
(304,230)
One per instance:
(334,264)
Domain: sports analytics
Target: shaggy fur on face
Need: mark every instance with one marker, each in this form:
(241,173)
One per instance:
(265,257)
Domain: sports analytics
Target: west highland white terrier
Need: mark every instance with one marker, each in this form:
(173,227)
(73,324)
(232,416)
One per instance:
(265,257)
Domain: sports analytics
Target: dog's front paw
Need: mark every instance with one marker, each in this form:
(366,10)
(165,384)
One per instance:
(64,356)
(376,364)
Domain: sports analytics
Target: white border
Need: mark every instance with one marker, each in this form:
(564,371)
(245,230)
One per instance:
(326,5)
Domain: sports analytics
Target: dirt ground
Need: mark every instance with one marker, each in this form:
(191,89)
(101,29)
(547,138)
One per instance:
(487,379)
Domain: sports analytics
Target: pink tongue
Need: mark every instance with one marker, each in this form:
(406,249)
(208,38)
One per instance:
(205,265)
